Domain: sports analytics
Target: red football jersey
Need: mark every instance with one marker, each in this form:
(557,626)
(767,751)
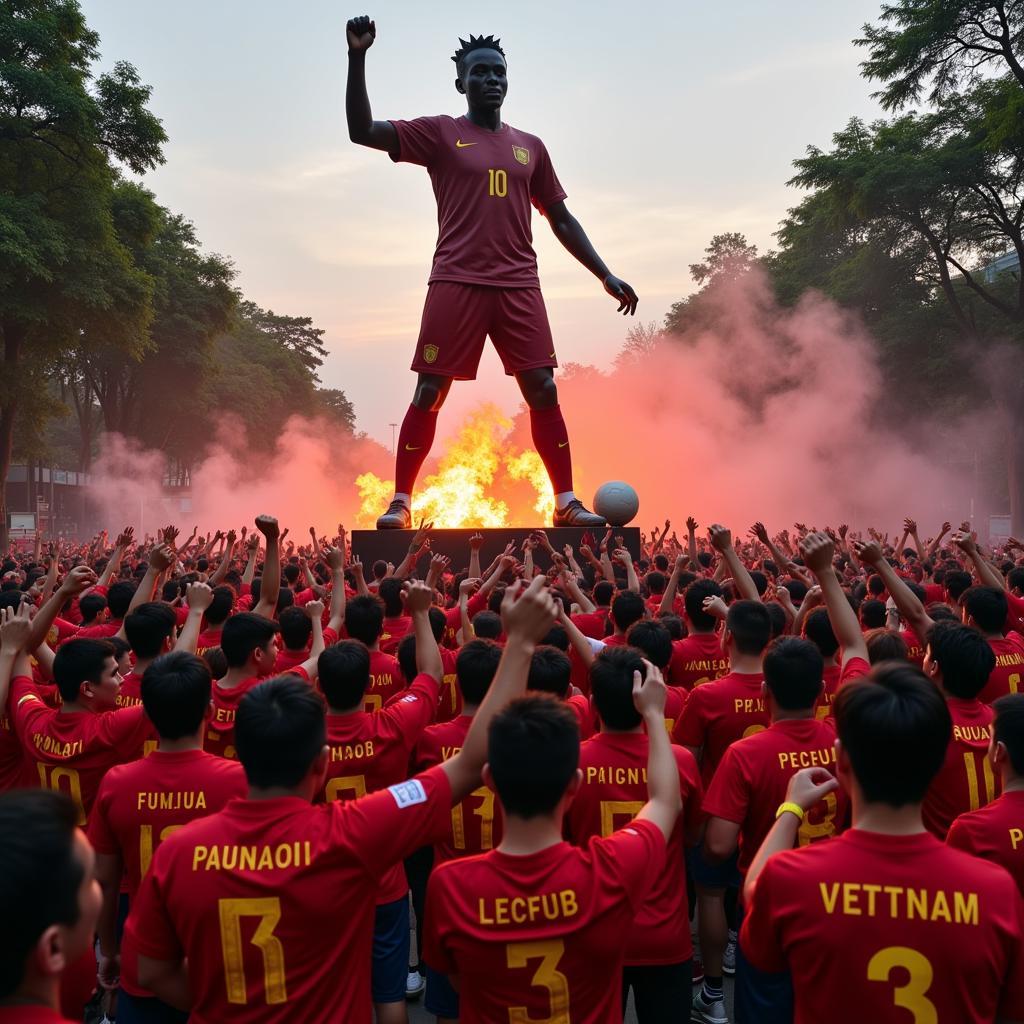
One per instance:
(1006,676)
(272,901)
(386,681)
(966,780)
(697,659)
(752,779)
(71,752)
(915,649)
(32,1015)
(130,694)
(208,639)
(719,713)
(1015,613)
(995,832)
(541,936)
(476,825)
(140,804)
(102,631)
(220,729)
(613,791)
(449,703)
(369,752)
(484,183)
(288,661)
(394,632)
(878,927)
(591,624)
(831,678)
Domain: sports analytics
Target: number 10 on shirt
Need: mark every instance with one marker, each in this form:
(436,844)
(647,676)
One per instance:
(497,182)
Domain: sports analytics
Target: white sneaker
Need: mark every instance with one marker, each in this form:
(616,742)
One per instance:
(415,983)
(703,1012)
(729,956)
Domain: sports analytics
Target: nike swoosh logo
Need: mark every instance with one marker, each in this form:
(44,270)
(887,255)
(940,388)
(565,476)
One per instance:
(410,448)
(551,355)
(563,444)
(459,144)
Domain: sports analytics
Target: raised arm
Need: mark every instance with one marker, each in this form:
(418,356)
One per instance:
(418,599)
(625,559)
(160,559)
(270,588)
(315,611)
(989,576)
(527,613)
(906,600)
(476,542)
(80,579)
(362,129)
(668,599)
(937,543)
(663,797)
(199,597)
(336,561)
(124,541)
(225,562)
(818,552)
(721,541)
(252,545)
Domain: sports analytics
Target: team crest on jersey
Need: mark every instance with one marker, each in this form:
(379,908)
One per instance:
(430,353)
(522,155)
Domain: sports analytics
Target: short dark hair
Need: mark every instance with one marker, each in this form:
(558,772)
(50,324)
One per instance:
(364,618)
(988,607)
(611,685)
(475,667)
(656,582)
(556,636)
(79,660)
(221,605)
(176,693)
(215,660)
(604,591)
(533,750)
(673,624)
(280,728)
(818,629)
(627,607)
(148,626)
(344,673)
(244,633)
(760,581)
(90,605)
(693,601)
(474,43)
(119,596)
(1008,728)
(964,657)
(778,616)
(652,638)
(895,728)
(390,591)
(1015,579)
(41,875)
(550,671)
(872,613)
(793,671)
(405,655)
(296,628)
(750,624)
(487,625)
(956,582)
(885,645)
(797,590)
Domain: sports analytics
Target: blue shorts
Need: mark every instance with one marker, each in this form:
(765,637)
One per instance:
(713,876)
(441,999)
(390,951)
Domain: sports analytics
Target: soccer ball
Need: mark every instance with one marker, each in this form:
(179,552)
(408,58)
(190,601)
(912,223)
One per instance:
(617,502)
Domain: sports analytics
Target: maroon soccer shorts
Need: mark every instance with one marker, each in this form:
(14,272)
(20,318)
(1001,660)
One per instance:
(458,317)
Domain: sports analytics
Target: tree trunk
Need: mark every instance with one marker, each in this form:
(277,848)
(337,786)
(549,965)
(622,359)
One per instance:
(14,334)
(1015,471)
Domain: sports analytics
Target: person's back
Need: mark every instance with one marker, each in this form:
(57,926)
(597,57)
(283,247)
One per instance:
(986,608)
(700,657)
(885,914)
(996,831)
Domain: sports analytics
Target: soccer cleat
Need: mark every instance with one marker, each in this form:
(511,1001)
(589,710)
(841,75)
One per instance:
(574,514)
(415,983)
(704,1012)
(397,517)
(729,956)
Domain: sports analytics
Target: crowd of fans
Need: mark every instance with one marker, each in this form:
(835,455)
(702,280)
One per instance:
(230,764)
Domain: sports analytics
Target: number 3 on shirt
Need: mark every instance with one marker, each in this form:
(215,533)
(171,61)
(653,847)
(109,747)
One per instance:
(547,975)
(497,182)
(913,995)
(268,910)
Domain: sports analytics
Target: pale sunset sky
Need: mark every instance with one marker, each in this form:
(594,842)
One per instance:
(667,122)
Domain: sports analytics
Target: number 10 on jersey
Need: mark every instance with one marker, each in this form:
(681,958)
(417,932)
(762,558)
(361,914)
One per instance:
(497,182)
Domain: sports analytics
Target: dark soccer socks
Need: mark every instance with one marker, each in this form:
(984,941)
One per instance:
(414,441)
(551,440)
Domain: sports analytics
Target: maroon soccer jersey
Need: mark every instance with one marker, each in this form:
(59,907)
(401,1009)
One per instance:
(879,928)
(753,776)
(541,936)
(1006,676)
(386,682)
(449,702)
(697,659)
(130,694)
(613,791)
(995,832)
(966,780)
(140,804)
(370,751)
(71,752)
(484,183)
(476,821)
(220,729)
(272,901)
(718,713)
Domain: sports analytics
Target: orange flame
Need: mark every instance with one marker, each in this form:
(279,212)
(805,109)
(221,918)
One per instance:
(456,496)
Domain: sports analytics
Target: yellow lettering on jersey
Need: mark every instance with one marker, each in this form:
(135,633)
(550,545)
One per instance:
(904,903)
(447,753)
(352,751)
(747,705)
(1016,837)
(972,733)
(1009,660)
(545,906)
(252,858)
(807,758)
(615,775)
(56,748)
(190,801)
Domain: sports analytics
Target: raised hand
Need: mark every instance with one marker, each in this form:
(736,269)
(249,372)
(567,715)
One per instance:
(468,587)
(77,580)
(422,534)
(361,33)
(314,609)
(623,556)
(418,596)
(650,692)
(161,558)
(231,538)
(910,526)
(528,612)
(809,785)
(476,542)
(268,526)
(868,552)
(759,532)
(818,551)
(15,627)
(720,537)
(253,542)
(199,596)
(714,605)
(691,524)
(335,559)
